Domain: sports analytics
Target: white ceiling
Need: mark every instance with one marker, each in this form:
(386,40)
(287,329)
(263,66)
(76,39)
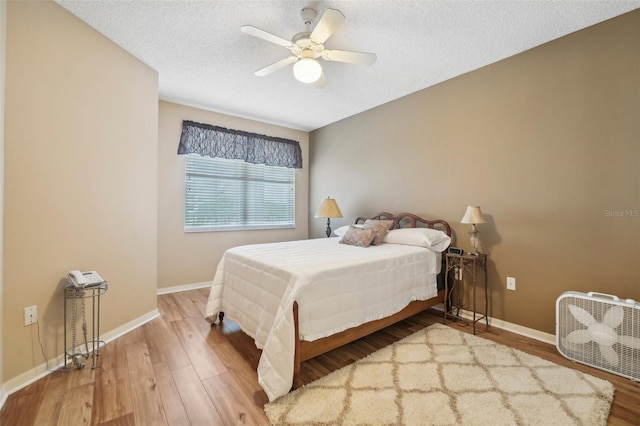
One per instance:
(203,59)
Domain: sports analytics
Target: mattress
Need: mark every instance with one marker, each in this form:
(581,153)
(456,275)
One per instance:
(337,287)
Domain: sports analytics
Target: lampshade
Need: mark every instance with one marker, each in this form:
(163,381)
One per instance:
(307,70)
(473,215)
(328,208)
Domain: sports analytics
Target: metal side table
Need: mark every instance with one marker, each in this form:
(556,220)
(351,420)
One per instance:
(87,347)
(462,266)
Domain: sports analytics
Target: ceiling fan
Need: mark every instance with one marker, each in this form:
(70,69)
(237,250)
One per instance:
(306,47)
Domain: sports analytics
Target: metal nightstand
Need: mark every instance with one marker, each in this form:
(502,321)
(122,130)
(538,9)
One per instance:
(462,266)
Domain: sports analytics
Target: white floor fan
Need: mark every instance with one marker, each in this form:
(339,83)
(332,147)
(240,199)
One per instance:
(308,46)
(599,330)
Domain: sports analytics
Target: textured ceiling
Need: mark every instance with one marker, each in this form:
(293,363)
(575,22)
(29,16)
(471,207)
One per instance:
(203,59)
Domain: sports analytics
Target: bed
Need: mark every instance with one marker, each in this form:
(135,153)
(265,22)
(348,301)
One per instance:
(300,299)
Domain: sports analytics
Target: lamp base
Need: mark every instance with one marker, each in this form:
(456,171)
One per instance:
(473,239)
(328,232)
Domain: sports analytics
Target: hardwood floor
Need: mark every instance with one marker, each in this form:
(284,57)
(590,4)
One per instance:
(177,370)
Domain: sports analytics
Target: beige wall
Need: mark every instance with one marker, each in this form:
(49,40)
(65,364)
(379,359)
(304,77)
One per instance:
(546,142)
(189,258)
(3,44)
(80,176)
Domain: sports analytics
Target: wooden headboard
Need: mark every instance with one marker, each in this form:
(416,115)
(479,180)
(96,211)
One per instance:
(409,220)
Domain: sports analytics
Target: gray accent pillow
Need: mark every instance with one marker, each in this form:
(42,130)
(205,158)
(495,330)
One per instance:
(358,236)
(381,227)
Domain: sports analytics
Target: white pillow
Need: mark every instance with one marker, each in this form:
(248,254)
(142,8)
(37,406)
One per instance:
(423,237)
(343,229)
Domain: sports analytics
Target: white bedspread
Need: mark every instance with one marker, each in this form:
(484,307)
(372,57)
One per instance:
(336,286)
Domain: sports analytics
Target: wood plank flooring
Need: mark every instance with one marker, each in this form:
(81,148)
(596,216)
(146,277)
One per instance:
(177,370)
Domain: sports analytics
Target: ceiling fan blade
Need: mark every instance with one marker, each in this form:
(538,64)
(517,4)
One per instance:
(349,57)
(275,66)
(322,82)
(330,21)
(257,32)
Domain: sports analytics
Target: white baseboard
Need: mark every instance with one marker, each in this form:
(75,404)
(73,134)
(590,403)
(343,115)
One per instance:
(185,287)
(40,371)
(514,328)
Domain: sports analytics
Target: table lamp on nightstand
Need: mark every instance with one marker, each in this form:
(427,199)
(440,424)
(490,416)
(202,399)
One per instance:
(473,215)
(328,209)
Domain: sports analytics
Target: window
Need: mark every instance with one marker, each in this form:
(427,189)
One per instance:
(223,194)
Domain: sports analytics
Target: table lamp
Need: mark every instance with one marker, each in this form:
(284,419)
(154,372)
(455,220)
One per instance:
(473,215)
(328,209)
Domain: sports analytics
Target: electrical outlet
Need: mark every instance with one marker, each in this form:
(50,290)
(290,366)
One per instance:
(30,315)
(511,283)
(457,274)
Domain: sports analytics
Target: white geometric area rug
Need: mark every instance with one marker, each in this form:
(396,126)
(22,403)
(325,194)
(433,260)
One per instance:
(441,376)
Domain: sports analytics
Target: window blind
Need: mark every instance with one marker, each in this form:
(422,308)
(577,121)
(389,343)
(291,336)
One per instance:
(223,194)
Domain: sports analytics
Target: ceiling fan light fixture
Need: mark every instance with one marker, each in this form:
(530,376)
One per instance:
(308,46)
(307,70)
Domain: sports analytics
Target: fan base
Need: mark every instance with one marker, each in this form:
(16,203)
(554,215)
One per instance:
(308,15)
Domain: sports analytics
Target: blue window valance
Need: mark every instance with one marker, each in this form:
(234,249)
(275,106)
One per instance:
(214,141)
